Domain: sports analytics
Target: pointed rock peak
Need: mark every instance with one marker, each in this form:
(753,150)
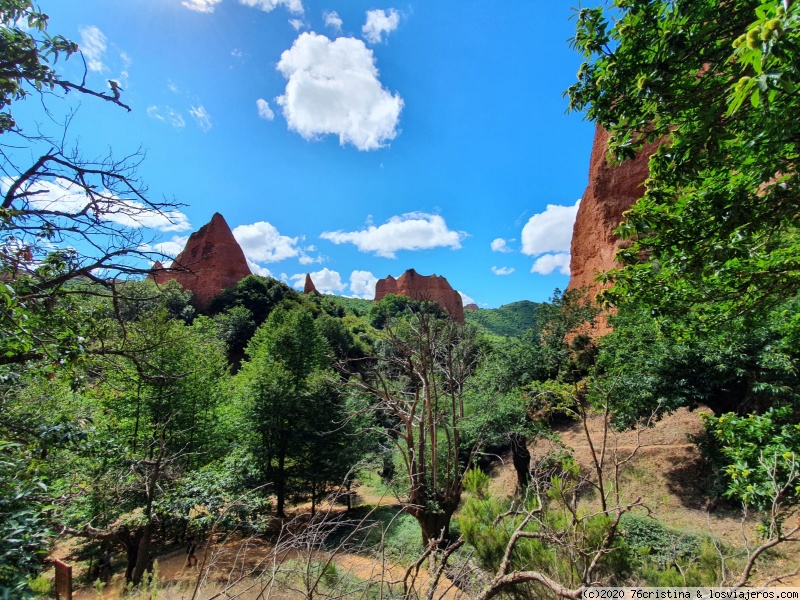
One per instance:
(309,287)
(218,219)
(211,261)
(157,266)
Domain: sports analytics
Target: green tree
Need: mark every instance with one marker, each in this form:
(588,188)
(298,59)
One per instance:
(716,231)
(293,410)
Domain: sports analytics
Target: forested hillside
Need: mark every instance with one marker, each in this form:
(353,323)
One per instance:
(508,320)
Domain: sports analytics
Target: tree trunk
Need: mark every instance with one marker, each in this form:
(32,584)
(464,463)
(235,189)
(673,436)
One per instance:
(521,457)
(432,525)
(280,488)
(142,553)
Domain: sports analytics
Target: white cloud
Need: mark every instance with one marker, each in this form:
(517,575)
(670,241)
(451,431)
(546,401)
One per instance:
(547,263)
(264,111)
(204,6)
(293,6)
(262,243)
(333,20)
(93,47)
(326,281)
(171,116)
(378,23)
(466,299)
(201,117)
(362,284)
(549,231)
(171,247)
(173,87)
(411,231)
(258,269)
(333,88)
(503,270)
(500,245)
(62,195)
(297,24)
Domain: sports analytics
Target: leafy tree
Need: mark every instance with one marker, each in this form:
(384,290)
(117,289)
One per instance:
(156,420)
(64,220)
(716,231)
(294,413)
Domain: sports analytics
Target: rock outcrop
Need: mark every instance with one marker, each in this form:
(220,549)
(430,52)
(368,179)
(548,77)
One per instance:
(211,261)
(611,191)
(434,288)
(471,306)
(309,287)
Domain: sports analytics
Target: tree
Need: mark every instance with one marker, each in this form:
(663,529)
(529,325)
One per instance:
(62,217)
(65,220)
(716,231)
(293,410)
(417,386)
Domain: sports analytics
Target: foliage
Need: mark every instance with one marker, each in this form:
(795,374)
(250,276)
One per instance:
(259,295)
(293,410)
(24,529)
(716,231)
(658,365)
(757,456)
(507,321)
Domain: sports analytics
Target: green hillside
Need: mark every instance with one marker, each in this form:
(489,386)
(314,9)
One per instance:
(508,320)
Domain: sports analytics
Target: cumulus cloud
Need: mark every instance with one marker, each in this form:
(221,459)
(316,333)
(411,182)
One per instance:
(500,245)
(264,111)
(378,23)
(326,281)
(93,47)
(466,299)
(333,20)
(167,115)
(256,269)
(547,263)
(362,284)
(502,270)
(297,24)
(62,195)
(549,231)
(411,231)
(333,88)
(171,247)
(262,243)
(201,117)
(293,6)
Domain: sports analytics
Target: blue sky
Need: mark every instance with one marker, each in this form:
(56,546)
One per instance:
(349,139)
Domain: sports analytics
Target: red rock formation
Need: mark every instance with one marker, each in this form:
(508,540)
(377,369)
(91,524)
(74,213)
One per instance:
(309,287)
(471,306)
(423,287)
(611,191)
(211,261)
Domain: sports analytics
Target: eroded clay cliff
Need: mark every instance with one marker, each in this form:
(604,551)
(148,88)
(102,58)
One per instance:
(434,288)
(211,261)
(611,191)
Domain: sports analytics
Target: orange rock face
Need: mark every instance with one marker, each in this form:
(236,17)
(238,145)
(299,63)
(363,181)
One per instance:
(471,306)
(611,191)
(309,287)
(211,261)
(434,288)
